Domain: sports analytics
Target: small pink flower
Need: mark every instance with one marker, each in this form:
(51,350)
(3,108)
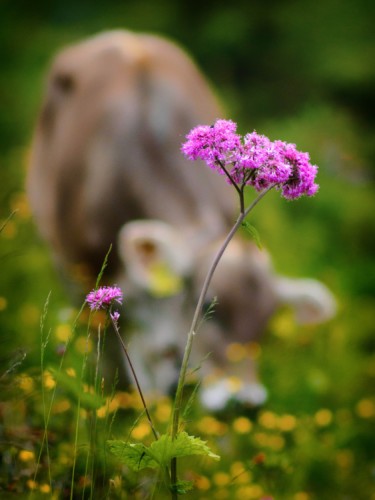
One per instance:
(115,316)
(104,297)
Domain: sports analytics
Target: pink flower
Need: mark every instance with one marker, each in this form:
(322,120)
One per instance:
(104,297)
(217,144)
(253,160)
(115,316)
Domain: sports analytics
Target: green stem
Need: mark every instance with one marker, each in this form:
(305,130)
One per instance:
(198,310)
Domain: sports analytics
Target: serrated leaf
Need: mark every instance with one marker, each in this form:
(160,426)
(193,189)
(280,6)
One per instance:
(159,453)
(253,233)
(183,446)
(135,455)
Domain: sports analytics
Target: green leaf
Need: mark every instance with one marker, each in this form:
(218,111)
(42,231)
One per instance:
(253,233)
(183,446)
(137,456)
(160,452)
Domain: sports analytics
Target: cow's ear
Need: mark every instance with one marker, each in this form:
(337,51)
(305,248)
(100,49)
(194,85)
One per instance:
(311,300)
(155,257)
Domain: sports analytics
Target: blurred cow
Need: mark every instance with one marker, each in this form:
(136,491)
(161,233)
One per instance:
(106,169)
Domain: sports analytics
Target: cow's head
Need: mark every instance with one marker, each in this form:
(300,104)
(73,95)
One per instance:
(164,268)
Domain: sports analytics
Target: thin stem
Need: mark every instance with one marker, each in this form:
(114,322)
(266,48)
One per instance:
(135,378)
(181,381)
(234,184)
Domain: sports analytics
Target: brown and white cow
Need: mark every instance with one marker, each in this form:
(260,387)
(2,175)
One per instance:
(106,169)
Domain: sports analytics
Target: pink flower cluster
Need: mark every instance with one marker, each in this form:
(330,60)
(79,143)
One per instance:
(253,159)
(104,297)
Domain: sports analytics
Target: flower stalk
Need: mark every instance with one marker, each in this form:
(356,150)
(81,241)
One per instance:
(104,298)
(115,326)
(193,328)
(253,160)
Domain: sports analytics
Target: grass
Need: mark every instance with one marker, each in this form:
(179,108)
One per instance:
(313,439)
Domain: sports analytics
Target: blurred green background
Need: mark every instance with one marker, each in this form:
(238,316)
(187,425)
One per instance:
(301,71)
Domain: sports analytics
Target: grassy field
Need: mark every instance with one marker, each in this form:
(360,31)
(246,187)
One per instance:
(314,438)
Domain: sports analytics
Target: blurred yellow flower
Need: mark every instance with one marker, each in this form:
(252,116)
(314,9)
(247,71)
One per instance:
(202,483)
(3,303)
(239,473)
(221,478)
(244,478)
(235,352)
(32,485)
(163,411)
(249,492)
(48,381)
(261,438)
(323,417)
(110,406)
(211,426)
(301,495)
(61,406)
(141,430)
(45,488)
(365,408)
(242,425)
(286,423)
(276,442)
(273,441)
(124,399)
(71,372)
(268,420)
(237,468)
(26,455)
(63,332)
(235,384)
(26,383)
